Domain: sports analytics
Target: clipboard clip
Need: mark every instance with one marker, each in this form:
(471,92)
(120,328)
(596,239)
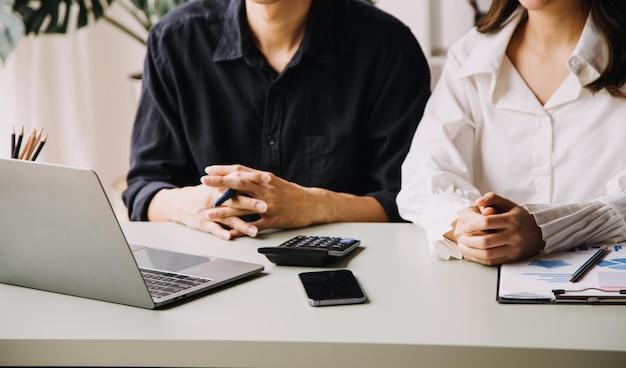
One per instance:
(602,295)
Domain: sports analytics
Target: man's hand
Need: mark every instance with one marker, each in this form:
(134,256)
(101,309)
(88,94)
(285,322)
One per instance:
(497,231)
(190,205)
(281,204)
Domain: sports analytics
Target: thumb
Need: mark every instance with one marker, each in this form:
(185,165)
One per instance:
(492,203)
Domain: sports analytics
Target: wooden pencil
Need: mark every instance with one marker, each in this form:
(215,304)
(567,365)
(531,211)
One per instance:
(32,147)
(39,147)
(29,142)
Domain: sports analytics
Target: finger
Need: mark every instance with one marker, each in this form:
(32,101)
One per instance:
(218,214)
(219,181)
(500,204)
(239,225)
(239,202)
(222,170)
(483,241)
(241,181)
(259,177)
(488,224)
(469,211)
(217,230)
(486,211)
(248,203)
(493,256)
(233,222)
(476,226)
(236,233)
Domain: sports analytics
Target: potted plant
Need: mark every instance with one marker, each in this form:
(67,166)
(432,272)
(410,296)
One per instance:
(24,17)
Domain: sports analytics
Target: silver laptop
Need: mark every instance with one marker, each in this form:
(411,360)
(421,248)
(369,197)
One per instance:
(58,233)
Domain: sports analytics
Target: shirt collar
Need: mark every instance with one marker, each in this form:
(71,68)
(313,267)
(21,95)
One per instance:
(586,62)
(590,56)
(236,40)
(230,45)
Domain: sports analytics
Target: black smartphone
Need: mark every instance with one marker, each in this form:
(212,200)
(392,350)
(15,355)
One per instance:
(333,287)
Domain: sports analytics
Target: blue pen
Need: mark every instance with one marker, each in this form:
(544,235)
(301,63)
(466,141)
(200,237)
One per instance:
(226,196)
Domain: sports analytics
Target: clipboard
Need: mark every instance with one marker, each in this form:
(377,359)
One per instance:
(545,278)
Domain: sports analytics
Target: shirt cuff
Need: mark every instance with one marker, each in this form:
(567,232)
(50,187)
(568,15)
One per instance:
(437,219)
(565,226)
(445,249)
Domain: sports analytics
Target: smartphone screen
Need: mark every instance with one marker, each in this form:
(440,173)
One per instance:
(331,288)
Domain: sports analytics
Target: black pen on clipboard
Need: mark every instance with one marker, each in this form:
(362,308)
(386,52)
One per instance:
(595,258)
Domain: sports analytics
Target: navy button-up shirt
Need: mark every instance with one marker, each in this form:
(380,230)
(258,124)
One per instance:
(340,116)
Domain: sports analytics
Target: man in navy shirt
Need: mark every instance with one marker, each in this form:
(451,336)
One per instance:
(305,107)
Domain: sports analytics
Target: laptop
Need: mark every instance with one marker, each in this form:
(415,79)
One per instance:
(59,233)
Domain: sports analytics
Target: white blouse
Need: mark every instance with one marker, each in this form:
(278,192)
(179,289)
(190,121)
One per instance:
(484,131)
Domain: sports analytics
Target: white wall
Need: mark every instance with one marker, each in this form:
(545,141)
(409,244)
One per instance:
(413,13)
(437,24)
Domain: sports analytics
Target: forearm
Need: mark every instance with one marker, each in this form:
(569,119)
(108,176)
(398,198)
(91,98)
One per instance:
(160,208)
(343,207)
(178,204)
(139,194)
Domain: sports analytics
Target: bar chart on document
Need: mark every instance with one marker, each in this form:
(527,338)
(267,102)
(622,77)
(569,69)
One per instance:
(539,276)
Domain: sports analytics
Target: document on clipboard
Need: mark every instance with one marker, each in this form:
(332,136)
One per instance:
(546,278)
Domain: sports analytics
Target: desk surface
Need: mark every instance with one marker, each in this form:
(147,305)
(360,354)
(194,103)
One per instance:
(421,311)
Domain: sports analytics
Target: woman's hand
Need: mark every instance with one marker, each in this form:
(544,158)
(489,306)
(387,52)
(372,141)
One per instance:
(497,231)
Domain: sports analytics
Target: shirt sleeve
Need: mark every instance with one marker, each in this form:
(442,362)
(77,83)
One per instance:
(158,159)
(593,222)
(400,94)
(439,214)
(436,174)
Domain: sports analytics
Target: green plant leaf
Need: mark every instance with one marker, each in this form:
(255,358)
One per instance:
(11,29)
(58,16)
(19,17)
(156,9)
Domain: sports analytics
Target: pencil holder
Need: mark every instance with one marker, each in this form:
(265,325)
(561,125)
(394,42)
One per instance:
(30,148)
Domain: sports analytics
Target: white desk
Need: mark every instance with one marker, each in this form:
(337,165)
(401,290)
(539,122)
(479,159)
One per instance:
(421,312)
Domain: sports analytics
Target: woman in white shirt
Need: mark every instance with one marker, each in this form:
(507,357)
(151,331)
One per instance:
(522,147)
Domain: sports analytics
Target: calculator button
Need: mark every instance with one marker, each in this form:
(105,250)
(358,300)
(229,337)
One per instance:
(303,250)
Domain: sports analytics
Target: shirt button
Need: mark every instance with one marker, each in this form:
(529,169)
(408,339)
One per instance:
(575,65)
(271,141)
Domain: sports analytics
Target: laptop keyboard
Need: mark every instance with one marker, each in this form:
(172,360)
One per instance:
(162,284)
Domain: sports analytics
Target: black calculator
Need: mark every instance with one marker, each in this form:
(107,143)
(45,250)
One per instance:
(309,250)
